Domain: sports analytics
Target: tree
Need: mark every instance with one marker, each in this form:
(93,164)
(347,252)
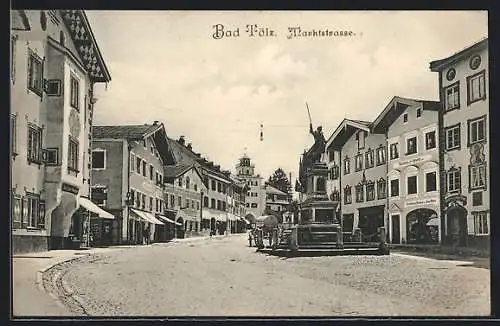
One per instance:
(294,208)
(280,181)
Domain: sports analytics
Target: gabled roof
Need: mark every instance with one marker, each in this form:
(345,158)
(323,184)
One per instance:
(190,157)
(79,27)
(274,191)
(130,132)
(138,132)
(345,130)
(174,171)
(439,65)
(396,107)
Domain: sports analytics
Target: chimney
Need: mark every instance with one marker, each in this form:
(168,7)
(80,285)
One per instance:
(181,140)
(155,123)
(189,146)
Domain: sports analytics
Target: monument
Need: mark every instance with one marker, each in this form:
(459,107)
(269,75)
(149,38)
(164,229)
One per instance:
(317,206)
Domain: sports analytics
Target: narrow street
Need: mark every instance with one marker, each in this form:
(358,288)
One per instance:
(225,277)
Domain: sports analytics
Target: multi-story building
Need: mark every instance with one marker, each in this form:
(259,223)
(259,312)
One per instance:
(184,191)
(277,201)
(362,176)
(55,63)
(238,190)
(256,194)
(128,178)
(465,155)
(411,127)
(333,161)
(215,215)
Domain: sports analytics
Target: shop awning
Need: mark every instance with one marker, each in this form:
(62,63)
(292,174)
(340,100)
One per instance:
(166,219)
(90,206)
(147,217)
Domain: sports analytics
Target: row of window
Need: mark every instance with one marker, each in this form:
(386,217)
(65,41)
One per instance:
(218,186)
(35,82)
(411,188)
(360,191)
(252,182)
(412,184)
(411,145)
(220,205)
(252,194)
(419,114)
(252,205)
(28,211)
(187,182)
(477,178)
(187,203)
(476,133)
(138,200)
(368,161)
(35,152)
(140,166)
(476,91)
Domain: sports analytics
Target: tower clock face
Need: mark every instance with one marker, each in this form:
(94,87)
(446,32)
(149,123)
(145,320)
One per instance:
(74,124)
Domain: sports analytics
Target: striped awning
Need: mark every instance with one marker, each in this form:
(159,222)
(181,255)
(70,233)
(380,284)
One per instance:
(90,206)
(166,219)
(148,217)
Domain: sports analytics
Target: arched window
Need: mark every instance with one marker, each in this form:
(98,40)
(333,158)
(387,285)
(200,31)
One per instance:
(187,182)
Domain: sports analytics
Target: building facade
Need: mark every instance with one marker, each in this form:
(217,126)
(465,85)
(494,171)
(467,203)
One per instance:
(413,202)
(256,194)
(184,192)
(216,217)
(276,200)
(465,155)
(362,176)
(55,63)
(128,179)
(238,190)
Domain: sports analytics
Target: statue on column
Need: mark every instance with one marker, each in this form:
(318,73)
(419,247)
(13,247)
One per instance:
(319,139)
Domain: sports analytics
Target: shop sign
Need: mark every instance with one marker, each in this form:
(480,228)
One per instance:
(418,202)
(412,161)
(70,188)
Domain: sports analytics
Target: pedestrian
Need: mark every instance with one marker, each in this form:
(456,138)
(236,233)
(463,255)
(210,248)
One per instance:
(146,235)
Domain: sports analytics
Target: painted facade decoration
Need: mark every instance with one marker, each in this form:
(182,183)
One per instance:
(52,86)
(465,156)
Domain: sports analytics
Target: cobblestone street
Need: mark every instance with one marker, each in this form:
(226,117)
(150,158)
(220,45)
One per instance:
(225,277)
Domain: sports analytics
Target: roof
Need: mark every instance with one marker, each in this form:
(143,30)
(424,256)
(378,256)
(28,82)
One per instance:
(439,65)
(396,107)
(173,171)
(79,27)
(139,132)
(130,132)
(272,190)
(190,157)
(345,130)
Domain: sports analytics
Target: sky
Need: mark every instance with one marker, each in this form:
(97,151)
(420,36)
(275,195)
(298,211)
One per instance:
(166,66)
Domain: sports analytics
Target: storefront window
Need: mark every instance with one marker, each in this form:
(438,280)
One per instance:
(422,226)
